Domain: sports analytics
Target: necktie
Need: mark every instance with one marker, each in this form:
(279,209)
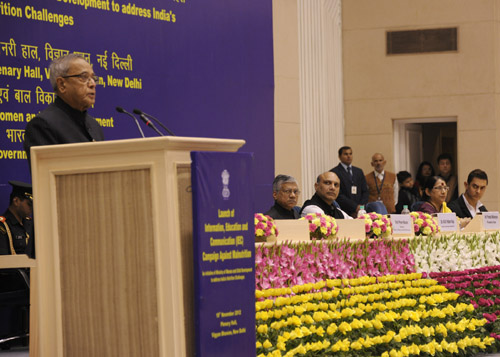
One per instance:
(349,170)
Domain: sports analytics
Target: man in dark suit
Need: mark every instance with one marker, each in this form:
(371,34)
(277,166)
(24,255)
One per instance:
(353,187)
(66,120)
(468,204)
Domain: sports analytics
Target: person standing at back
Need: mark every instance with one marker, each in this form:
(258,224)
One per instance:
(353,187)
(445,166)
(381,183)
(16,225)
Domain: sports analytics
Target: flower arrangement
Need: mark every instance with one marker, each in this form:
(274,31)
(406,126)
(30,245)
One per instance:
(480,287)
(424,224)
(265,228)
(384,316)
(292,263)
(321,226)
(377,225)
(455,252)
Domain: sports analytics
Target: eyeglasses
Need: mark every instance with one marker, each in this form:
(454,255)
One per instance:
(441,188)
(84,77)
(289,191)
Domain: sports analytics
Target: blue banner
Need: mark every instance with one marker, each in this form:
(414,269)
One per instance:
(204,68)
(224,254)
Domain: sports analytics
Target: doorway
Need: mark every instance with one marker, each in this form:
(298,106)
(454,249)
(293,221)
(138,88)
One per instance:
(423,139)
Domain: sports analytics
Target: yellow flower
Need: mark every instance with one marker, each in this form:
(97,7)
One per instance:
(267,344)
(258,344)
(395,353)
(356,324)
(299,310)
(301,349)
(296,320)
(262,329)
(377,324)
(332,328)
(345,327)
(277,353)
(356,346)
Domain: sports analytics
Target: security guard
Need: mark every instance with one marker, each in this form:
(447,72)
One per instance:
(16,225)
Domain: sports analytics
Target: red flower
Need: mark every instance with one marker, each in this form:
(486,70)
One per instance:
(490,317)
(485,302)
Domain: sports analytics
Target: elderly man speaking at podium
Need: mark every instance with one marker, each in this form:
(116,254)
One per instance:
(66,120)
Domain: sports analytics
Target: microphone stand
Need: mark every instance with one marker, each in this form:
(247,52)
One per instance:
(121,110)
(140,112)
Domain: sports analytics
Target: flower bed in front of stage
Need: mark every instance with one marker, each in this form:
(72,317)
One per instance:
(342,297)
(480,287)
(392,315)
(290,264)
(455,252)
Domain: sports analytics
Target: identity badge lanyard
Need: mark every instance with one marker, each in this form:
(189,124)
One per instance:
(376,184)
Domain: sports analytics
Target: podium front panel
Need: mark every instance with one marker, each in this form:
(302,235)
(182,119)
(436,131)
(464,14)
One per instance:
(112,311)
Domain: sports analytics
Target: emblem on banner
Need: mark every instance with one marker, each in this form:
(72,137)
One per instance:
(225,184)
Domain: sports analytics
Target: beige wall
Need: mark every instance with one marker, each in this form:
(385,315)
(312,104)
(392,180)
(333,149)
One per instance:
(379,88)
(286,80)
(464,84)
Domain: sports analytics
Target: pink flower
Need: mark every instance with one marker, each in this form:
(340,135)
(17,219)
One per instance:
(485,302)
(490,317)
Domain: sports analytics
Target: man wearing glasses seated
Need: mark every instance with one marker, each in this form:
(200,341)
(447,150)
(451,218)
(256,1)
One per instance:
(285,193)
(66,119)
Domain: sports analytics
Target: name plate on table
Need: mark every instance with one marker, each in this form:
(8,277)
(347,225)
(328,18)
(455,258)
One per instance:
(402,225)
(491,221)
(447,222)
(292,230)
(351,228)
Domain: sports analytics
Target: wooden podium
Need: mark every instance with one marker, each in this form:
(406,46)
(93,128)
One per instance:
(113,225)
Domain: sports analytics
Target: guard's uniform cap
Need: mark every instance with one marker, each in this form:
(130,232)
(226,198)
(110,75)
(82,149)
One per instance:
(21,189)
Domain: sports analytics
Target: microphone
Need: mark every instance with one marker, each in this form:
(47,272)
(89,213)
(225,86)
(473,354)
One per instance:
(121,110)
(140,112)
(150,124)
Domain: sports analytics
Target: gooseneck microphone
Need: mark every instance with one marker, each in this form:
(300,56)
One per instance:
(150,124)
(121,110)
(141,113)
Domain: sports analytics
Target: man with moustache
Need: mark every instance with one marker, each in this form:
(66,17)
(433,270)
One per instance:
(469,203)
(327,188)
(381,183)
(66,119)
(285,193)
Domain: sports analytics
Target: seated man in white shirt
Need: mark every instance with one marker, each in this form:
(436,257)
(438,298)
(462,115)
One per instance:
(468,204)
(327,188)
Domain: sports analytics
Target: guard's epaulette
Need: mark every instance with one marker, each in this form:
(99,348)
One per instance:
(9,235)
